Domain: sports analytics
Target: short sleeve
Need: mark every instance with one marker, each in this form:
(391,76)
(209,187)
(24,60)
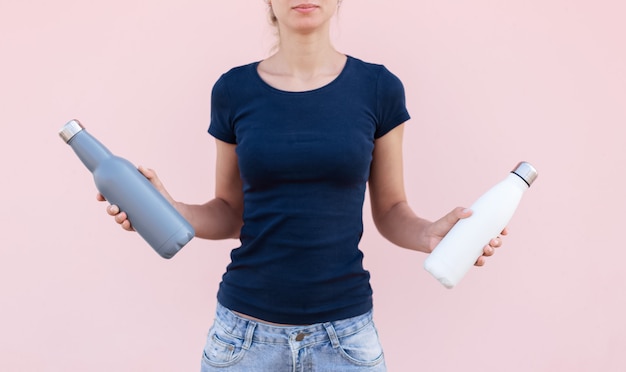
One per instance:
(221,126)
(391,103)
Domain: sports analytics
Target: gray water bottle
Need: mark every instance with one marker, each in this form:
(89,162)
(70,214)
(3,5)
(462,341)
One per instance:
(119,181)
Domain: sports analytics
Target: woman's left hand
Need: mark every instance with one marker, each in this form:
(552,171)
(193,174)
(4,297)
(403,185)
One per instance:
(490,248)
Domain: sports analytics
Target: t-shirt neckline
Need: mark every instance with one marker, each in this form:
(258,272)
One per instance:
(329,85)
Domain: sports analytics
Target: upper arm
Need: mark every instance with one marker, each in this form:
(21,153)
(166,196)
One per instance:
(386,182)
(228,184)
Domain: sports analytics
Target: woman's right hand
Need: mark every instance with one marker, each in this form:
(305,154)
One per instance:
(120,216)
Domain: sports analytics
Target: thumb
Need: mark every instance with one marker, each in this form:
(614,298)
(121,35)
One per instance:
(445,223)
(457,214)
(151,175)
(147,172)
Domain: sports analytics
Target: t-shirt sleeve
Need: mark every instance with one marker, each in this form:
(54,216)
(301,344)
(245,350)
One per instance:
(221,126)
(391,109)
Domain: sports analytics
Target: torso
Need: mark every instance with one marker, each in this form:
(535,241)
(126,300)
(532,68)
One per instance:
(304,159)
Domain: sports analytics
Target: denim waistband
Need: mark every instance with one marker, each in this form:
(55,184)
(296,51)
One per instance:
(253,331)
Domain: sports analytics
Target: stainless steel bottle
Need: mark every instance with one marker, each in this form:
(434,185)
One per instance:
(119,181)
(457,252)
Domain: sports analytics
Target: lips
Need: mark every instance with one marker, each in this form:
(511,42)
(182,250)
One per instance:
(305,6)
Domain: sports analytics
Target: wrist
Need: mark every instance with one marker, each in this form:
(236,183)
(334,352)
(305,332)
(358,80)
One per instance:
(424,239)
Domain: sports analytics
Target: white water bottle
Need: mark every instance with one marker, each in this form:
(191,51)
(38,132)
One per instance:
(457,252)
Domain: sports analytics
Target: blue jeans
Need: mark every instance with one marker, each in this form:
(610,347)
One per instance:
(238,344)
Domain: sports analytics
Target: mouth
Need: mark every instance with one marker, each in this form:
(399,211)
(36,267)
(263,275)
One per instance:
(305,6)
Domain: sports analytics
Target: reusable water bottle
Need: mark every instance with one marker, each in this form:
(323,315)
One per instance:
(119,181)
(457,252)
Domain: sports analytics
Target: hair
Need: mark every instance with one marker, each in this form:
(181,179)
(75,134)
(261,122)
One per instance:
(272,17)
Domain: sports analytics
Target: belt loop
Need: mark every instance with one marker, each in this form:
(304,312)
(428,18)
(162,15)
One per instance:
(249,332)
(334,340)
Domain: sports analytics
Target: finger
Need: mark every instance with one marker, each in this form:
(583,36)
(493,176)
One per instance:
(505,231)
(456,214)
(127,226)
(443,225)
(151,175)
(495,242)
(462,212)
(480,261)
(113,210)
(100,197)
(488,251)
(147,172)
(143,170)
(121,217)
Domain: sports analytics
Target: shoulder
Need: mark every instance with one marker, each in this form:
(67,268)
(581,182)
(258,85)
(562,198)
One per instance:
(370,67)
(238,73)
(387,91)
(236,78)
(241,70)
(376,71)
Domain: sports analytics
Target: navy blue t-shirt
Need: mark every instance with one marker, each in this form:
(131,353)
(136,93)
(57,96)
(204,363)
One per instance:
(304,159)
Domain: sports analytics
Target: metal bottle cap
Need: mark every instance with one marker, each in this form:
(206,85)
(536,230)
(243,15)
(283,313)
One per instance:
(70,129)
(526,172)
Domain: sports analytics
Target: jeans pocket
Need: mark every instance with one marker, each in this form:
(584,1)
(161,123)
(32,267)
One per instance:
(362,347)
(222,349)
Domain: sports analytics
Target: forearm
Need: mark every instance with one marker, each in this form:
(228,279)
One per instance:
(213,220)
(402,227)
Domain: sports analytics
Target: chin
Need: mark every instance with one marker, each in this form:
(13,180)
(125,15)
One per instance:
(306,26)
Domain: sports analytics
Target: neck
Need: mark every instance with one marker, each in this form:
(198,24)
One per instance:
(302,53)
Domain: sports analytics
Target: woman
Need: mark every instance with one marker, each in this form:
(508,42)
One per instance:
(298,136)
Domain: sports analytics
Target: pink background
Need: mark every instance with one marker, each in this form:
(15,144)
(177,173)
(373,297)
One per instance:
(489,83)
